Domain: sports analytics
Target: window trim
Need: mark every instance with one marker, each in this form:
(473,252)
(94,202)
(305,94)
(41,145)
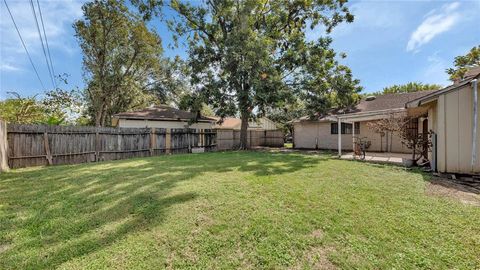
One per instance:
(344,128)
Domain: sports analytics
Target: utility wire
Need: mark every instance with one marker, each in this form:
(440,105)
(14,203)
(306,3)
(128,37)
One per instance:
(41,41)
(23,43)
(46,42)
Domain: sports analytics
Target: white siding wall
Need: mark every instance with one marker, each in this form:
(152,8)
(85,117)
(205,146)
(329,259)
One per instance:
(307,133)
(268,124)
(379,143)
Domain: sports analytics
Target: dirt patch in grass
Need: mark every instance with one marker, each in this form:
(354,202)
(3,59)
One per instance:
(316,258)
(4,247)
(447,188)
(318,234)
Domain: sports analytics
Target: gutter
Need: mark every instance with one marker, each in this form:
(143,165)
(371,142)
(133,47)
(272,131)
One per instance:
(379,112)
(475,123)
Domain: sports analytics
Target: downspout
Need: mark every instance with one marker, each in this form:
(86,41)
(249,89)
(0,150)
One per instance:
(475,123)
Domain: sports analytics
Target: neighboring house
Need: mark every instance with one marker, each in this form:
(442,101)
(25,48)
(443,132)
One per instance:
(323,132)
(236,124)
(161,116)
(453,115)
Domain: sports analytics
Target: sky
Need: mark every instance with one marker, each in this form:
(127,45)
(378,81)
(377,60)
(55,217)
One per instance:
(389,42)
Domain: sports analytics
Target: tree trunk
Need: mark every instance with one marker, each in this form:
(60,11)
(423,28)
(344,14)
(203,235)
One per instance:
(243,131)
(100,115)
(104,116)
(98,118)
(414,154)
(102,121)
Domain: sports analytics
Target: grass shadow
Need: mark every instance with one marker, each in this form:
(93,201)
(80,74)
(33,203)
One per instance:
(52,215)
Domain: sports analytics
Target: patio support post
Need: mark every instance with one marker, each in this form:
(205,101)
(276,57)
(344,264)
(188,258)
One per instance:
(353,137)
(339,134)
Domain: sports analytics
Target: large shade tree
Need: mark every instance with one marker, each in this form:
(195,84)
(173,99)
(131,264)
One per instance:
(465,62)
(122,59)
(250,55)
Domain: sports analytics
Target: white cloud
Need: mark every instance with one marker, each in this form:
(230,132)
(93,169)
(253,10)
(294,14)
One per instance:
(435,23)
(9,67)
(58,17)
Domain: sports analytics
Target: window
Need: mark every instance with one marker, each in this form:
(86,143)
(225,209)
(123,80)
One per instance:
(346,128)
(334,128)
(412,127)
(357,127)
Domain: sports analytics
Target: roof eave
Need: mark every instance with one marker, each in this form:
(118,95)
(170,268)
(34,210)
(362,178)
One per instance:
(434,96)
(363,114)
(162,119)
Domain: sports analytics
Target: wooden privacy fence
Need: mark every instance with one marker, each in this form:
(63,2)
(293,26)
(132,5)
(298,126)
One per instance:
(230,139)
(3,146)
(34,145)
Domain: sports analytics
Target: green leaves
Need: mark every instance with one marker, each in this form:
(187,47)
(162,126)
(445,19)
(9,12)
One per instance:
(251,52)
(408,88)
(249,56)
(122,58)
(56,108)
(464,62)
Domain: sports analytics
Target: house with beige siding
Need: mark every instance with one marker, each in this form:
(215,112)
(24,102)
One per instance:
(337,129)
(453,116)
(450,116)
(161,116)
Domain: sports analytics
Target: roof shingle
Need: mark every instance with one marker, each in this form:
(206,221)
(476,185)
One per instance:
(160,112)
(388,101)
(380,103)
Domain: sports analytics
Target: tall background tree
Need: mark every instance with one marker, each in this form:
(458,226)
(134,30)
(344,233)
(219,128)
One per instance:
(463,63)
(122,60)
(408,88)
(247,56)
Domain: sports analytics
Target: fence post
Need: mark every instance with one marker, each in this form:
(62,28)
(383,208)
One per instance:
(250,139)
(3,146)
(189,139)
(153,138)
(97,146)
(265,143)
(168,141)
(48,154)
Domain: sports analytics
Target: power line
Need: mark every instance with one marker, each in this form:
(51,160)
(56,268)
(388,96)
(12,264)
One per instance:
(23,43)
(46,42)
(41,41)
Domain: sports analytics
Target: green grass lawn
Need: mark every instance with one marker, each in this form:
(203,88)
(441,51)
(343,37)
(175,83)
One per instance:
(231,210)
(288,145)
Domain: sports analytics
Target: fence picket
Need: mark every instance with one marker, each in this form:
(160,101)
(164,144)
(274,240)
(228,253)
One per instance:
(34,145)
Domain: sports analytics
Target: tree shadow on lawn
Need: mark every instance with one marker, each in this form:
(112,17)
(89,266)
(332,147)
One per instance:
(62,221)
(52,215)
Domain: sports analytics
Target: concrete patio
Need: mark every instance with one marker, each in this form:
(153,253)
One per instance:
(377,157)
